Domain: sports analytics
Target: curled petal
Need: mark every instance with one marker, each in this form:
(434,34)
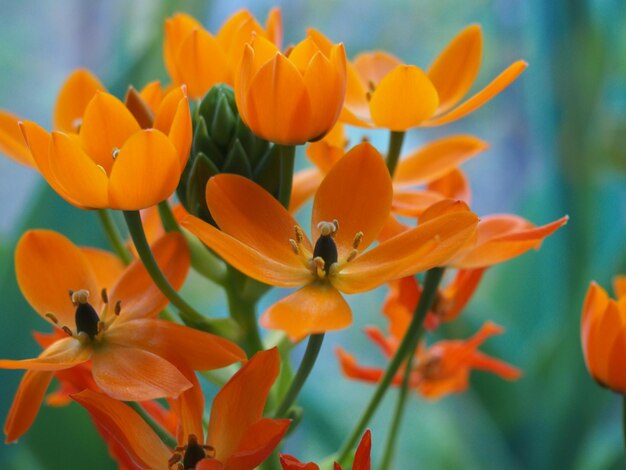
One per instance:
(258,443)
(77,91)
(315,308)
(62,354)
(351,369)
(372,67)
(12,142)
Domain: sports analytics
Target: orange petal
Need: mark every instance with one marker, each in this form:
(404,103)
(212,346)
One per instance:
(351,369)
(274,26)
(77,173)
(436,159)
(357,192)
(107,124)
(231,417)
(245,211)
(315,308)
(180,131)
(66,268)
(501,238)
(177,29)
(62,354)
(202,63)
(139,296)
(77,91)
(372,67)
(26,403)
(131,374)
(138,179)
(289,462)
(188,409)
(411,203)
(428,245)
(483,96)
(258,443)
(602,337)
(403,99)
(129,429)
(486,363)
(246,259)
(362,459)
(619,285)
(177,343)
(454,185)
(106,266)
(456,68)
(38,141)
(278,107)
(12,142)
(305,184)
(152,94)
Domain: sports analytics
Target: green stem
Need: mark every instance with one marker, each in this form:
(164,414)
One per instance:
(243,311)
(205,262)
(187,312)
(167,217)
(411,338)
(397,415)
(287,161)
(308,360)
(165,437)
(396,140)
(113,234)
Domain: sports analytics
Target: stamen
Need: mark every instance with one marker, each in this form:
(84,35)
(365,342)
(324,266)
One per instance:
(80,296)
(294,246)
(118,307)
(371,86)
(319,266)
(101,168)
(328,228)
(67,331)
(52,317)
(352,255)
(356,241)
(77,123)
(104,295)
(115,152)
(101,326)
(299,234)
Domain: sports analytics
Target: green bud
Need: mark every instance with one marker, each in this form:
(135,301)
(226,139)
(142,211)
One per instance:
(237,161)
(201,170)
(267,172)
(223,122)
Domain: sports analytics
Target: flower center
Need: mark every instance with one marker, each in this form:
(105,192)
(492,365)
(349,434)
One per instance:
(86,317)
(188,456)
(324,261)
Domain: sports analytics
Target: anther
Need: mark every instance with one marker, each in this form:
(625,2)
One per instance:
(104,296)
(76,123)
(371,86)
(356,241)
(319,266)
(100,326)
(67,331)
(115,152)
(52,317)
(118,307)
(80,296)
(328,228)
(351,255)
(294,246)
(299,234)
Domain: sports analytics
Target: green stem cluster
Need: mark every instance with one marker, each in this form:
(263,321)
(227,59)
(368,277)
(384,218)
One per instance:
(408,344)
(287,162)
(396,139)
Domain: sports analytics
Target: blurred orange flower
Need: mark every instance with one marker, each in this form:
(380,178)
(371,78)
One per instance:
(260,238)
(362,458)
(196,58)
(603,334)
(291,99)
(382,92)
(238,437)
(438,370)
(109,319)
(76,92)
(112,162)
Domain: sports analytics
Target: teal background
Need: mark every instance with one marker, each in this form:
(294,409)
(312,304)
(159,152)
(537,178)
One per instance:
(558,136)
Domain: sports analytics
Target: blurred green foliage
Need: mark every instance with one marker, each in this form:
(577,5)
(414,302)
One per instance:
(558,139)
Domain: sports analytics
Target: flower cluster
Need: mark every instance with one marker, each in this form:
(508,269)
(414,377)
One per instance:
(220,142)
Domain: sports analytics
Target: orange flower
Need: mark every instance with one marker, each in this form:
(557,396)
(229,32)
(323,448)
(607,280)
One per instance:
(439,370)
(238,437)
(382,92)
(109,319)
(261,239)
(291,99)
(196,58)
(72,100)
(362,458)
(434,165)
(113,162)
(404,295)
(603,334)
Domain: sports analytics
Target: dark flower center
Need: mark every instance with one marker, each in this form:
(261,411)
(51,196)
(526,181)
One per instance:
(326,249)
(86,316)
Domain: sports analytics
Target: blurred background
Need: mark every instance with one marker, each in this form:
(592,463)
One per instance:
(558,136)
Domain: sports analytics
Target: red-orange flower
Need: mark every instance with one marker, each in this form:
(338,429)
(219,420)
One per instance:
(113,162)
(603,335)
(291,99)
(434,165)
(438,370)
(75,94)
(362,458)
(238,437)
(110,319)
(196,58)
(260,238)
(383,92)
